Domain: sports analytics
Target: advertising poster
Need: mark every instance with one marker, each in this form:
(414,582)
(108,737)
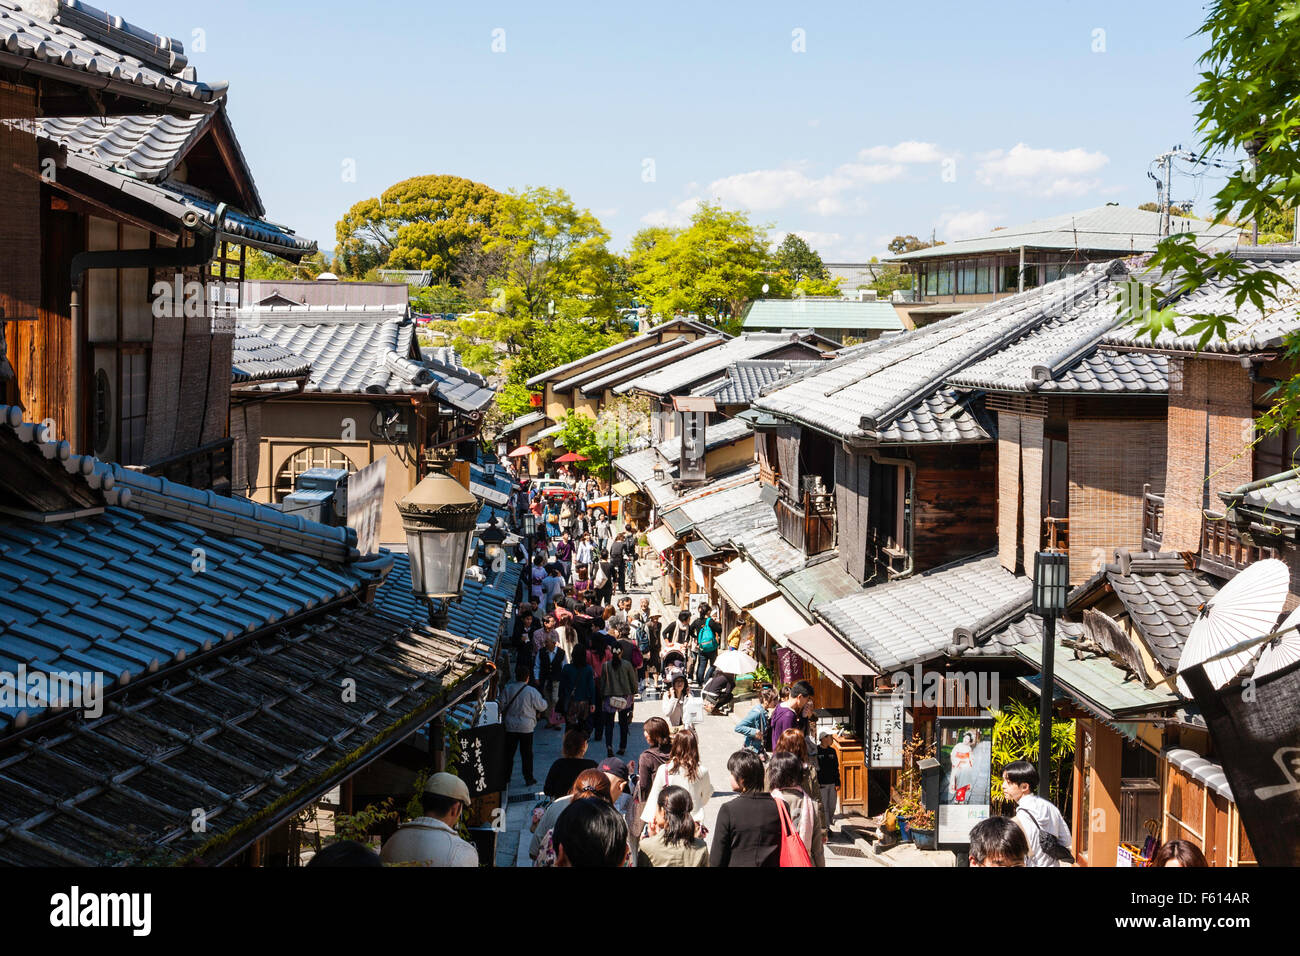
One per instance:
(965,752)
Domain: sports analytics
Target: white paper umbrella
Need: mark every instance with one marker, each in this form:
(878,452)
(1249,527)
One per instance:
(1245,608)
(735,662)
(1285,652)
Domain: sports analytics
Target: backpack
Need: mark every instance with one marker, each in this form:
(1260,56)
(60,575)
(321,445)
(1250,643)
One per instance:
(707,638)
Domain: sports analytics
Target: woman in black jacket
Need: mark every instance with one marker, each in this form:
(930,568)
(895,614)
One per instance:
(749,826)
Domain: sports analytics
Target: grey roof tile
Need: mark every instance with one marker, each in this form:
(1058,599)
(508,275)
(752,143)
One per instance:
(637,341)
(745,380)
(819,584)
(1095,681)
(897,624)
(715,436)
(821,313)
(881,382)
(256,359)
(655,361)
(1275,498)
(680,376)
(770,553)
(725,528)
(149,147)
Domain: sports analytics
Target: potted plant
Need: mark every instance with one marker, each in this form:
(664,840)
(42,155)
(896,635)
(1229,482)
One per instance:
(915,819)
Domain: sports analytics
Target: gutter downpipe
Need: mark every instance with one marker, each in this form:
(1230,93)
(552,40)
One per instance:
(196,255)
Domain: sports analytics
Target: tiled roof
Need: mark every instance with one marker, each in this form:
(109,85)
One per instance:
(646,366)
(160,573)
(728,526)
(769,552)
(822,582)
(1201,769)
(861,395)
(1061,355)
(1027,629)
(257,359)
(745,380)
(816,313)
(639,466)
(481,612)
(190,206)
(107,53)
(1272,499)
(148,147)
(1163,599)
(1253,331)
(242,738)
(619,348)
(943,416)
(678,377)
(1095,681)
(715,436)
(364,350)
(716,503)
(1103,228)
(522,421)
(902,622)
(621,362)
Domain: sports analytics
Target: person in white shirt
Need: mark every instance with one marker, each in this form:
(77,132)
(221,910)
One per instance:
(521,705)
(432,840)
(1036,816)
(682,769)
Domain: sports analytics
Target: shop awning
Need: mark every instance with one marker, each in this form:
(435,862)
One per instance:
(744,585)
(625,488)
(699,550)
(661,538)
(779,618)
(819,647)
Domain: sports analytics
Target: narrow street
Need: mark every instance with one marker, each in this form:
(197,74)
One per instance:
(718,741)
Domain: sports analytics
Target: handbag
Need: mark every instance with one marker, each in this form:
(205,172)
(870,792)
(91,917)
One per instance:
(600,580)
(618,703)
(793,852)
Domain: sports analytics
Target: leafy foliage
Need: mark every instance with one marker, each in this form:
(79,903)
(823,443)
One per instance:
(425,222)
(901,244)
(1015,737)
(798,261)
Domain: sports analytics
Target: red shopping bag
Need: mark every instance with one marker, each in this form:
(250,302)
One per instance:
(793,852)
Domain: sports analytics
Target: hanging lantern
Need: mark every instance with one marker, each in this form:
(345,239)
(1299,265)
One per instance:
(438,516)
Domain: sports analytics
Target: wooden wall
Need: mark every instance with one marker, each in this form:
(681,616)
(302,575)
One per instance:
(955,506)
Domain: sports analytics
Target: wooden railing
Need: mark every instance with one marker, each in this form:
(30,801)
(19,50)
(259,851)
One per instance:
(1222,550)
(767,474)
(208,467)
(1153,520)
(810,528)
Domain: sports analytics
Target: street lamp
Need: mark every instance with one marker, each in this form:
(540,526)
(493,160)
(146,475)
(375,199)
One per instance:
(1051,585)
(530,526)
(438,516)
(494,551)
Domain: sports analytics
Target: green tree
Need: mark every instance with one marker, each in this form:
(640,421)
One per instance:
(441,299)
(578,434)
(426,222)
(1015,737)
(797,260)
(889,281)
(1247,98)
(713,268)
(901,244)
(554,260)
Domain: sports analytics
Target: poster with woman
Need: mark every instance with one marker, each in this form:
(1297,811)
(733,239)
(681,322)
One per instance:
(965,761)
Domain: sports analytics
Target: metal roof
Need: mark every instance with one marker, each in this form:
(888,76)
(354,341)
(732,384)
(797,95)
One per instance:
(768,551)
(820,583)
(847,315)
(247,739)
(1094,680)
(364,350)
(1108,228)
(679,376)
(87,47)
(522,421)
(620,347)
(1252,332)
(745,380)
(871,389)
(258,359)
(899,623)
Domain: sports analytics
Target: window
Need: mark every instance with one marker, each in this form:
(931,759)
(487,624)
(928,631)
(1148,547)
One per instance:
(135,402)
(945,281)
(317,456)
(984,276)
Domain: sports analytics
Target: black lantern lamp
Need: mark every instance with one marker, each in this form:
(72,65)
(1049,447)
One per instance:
(438,516)
(530,526)
(494,552)
(1051,587)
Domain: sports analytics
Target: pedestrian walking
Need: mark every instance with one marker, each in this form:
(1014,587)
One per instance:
(546,671)
(791,711)
(603,581)
(785,780)
(522,704)
(677,704)
(431,839)
(795,742)
(828,775)
(705,641)
(559,780)
(618,559)
(672,840)
(683,769)
(618,695)
(756,725)
(596,786)
(578,690)
(659,738)
(749,827)
(1045,829)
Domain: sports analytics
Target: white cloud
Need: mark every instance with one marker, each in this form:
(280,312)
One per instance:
(676,216)
(964,223)
(763,189)
(1042,172)
(820,241)
(909,151)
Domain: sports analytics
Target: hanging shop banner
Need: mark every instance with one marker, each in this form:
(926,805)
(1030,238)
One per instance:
(482,764)
(886,732)
(1256,732)
(691,462)
(366,504)
(789,666)
(965,752)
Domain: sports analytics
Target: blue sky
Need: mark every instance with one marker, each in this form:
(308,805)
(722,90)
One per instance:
(640,109)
